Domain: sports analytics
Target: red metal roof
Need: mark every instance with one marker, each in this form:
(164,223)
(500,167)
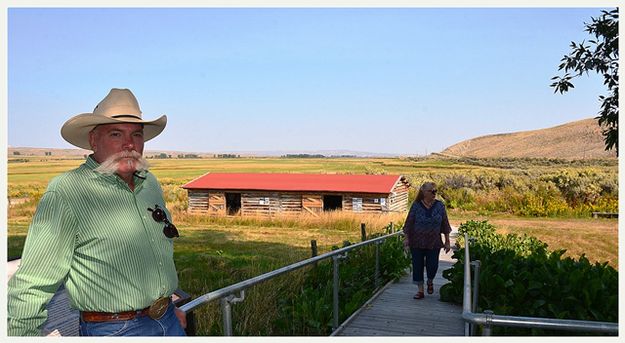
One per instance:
(296,182)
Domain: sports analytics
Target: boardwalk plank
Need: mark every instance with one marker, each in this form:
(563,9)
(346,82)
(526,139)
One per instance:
(395,313)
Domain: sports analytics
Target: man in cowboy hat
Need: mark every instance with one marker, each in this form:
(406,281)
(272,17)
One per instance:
(102,230)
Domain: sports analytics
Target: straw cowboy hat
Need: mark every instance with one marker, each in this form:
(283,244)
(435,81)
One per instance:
(119,106)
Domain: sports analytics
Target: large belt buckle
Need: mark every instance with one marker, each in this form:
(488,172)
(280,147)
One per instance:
(158,308)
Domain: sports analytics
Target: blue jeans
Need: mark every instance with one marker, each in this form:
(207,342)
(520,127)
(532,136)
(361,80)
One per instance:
(168,325)
(430,256)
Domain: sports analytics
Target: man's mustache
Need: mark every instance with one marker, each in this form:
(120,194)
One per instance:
(126,154)
(110,165)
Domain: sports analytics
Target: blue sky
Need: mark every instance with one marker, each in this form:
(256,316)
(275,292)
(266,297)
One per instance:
(390,80)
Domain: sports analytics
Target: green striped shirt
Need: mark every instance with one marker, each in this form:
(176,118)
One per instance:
(95,235)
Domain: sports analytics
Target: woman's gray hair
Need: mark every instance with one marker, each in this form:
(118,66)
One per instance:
(426,186)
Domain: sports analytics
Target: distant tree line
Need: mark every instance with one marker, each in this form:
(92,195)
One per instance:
(226,156)
(303,156)
(46,153)
(316,156)
(164,155)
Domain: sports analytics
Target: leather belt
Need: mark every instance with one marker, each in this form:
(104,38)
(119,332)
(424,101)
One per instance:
(155,311)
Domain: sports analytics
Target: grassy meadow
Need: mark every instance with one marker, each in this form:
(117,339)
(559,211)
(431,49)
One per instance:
(549,199)
(484,189)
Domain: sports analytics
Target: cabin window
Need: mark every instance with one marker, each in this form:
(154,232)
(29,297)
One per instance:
(233,203)
(332,202)
(357,204)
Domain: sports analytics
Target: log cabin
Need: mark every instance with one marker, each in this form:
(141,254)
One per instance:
(276,194)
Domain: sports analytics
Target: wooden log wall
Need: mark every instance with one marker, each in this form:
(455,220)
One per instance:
(371,203)
(202,201)
(260,204)
(198,201)
(398,199)
(271,204)
(290,204)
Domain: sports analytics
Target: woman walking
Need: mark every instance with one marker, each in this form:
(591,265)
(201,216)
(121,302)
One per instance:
(426,221)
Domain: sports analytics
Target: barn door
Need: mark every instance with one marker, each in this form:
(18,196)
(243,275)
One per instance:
(312,203)
(216,203)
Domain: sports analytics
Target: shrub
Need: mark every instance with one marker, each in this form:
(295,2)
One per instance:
(519,276)
(527,187)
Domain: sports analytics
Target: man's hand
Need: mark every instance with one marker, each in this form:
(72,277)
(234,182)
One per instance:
(182,317)
(447,247)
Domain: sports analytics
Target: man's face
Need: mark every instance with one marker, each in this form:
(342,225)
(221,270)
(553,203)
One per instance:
(109,139)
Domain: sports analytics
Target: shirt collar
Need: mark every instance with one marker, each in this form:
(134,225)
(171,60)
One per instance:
(91,163)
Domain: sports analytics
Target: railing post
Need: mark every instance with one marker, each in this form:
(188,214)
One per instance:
(486,329)
(377,265)
(226,312)
(476,288)
(335,292)
(466,306)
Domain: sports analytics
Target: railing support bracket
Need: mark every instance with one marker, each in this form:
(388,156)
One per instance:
(226,310)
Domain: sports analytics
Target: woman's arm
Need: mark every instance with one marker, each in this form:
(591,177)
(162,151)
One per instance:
(408,225)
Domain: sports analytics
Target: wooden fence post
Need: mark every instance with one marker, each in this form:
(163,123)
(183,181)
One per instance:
(313,247)
(363,232)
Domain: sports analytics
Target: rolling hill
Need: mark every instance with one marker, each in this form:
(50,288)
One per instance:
(575,140)
(580,139)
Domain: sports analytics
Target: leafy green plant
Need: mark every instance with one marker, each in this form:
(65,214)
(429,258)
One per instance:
(519,276)
(600,55)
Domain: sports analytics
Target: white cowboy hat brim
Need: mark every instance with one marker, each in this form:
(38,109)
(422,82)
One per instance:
(119,106)
(76,130)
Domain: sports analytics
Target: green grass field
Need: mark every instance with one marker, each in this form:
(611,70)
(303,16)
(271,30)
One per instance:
(41,170)
(214,252)
(576,233)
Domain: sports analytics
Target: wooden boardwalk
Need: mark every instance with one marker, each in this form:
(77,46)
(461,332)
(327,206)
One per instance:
(395,313)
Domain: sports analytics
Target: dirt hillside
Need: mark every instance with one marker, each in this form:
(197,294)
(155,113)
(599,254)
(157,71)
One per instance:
(575,140)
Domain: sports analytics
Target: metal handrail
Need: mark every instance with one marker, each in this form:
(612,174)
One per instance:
(227,293)
(488,319)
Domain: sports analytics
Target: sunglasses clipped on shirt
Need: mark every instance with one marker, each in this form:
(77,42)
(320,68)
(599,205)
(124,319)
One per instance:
(159,216)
